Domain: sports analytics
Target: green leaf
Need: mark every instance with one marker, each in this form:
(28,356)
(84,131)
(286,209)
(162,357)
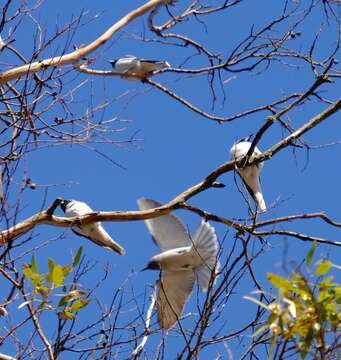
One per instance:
(257,302)
(78,256)
(72,295)
(27,271)
(62,302)
(34,266)
(67,269)
(260,329)
(311,253)
(66,315)
(78,304)
(50,262)
(37,279)
(48,277)
(272,347)
(303,354)
(43,290)
(58,275)
(323,267)
(279,282)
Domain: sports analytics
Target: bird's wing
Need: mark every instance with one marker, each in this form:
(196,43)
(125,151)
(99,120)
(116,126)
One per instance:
(248,188)
(250,176)
(240,149)
(167,231)
(126,64)
(77,230)
(174,289)
(77,208)
(151,61)
(100,237)
(251,179)
(97,234)
(205,244)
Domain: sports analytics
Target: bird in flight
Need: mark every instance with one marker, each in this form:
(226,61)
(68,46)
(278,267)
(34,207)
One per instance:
(138,68)
(250,174)
(94,231)
(183,261)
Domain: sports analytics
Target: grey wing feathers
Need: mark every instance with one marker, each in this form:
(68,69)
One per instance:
(251,192)
(152,61)
(206,244)
(167,231)
(78,233)
(77,208)
(174,289)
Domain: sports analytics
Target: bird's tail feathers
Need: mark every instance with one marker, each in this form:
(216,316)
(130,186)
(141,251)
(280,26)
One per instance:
(205,244)
(204,273)
(260,201)
(105,240)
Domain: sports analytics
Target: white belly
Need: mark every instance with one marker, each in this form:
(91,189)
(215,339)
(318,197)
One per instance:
(178,259)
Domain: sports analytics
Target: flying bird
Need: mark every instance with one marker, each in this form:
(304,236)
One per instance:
(250,174)
(94,231)
(182,261)
(139,68)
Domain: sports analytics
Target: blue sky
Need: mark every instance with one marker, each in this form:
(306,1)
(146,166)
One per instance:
(177,148)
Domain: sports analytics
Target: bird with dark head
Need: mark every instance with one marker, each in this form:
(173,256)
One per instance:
(246,139)
(63,204)
(93,231)
(152,265)
(135,68)
(183,261)
(250,174)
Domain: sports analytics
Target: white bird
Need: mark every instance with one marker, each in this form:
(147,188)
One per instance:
(250,174)
(94,231)
(139,68)
(182,261)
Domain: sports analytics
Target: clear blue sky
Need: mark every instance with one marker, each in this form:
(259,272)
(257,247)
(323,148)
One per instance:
(177,148)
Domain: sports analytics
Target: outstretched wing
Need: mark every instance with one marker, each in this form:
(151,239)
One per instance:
(167,231)
(174,287)
(205,244)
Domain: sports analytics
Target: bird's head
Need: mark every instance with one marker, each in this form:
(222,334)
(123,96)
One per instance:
(152,265)
(64,203)
(246,139)
(113,63)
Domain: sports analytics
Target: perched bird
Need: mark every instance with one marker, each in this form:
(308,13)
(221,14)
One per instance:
(139,68)
(182,261)
(94,231)
(250,174)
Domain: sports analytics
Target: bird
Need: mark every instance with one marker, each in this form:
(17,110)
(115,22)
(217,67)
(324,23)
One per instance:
(183,261)
(138,68)
(250,174)
(94,231)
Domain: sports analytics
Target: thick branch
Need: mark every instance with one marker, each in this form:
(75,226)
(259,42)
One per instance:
(45,217)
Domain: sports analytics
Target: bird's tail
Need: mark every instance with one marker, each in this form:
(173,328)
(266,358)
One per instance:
(260,201)
(205,244)
(105,240)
